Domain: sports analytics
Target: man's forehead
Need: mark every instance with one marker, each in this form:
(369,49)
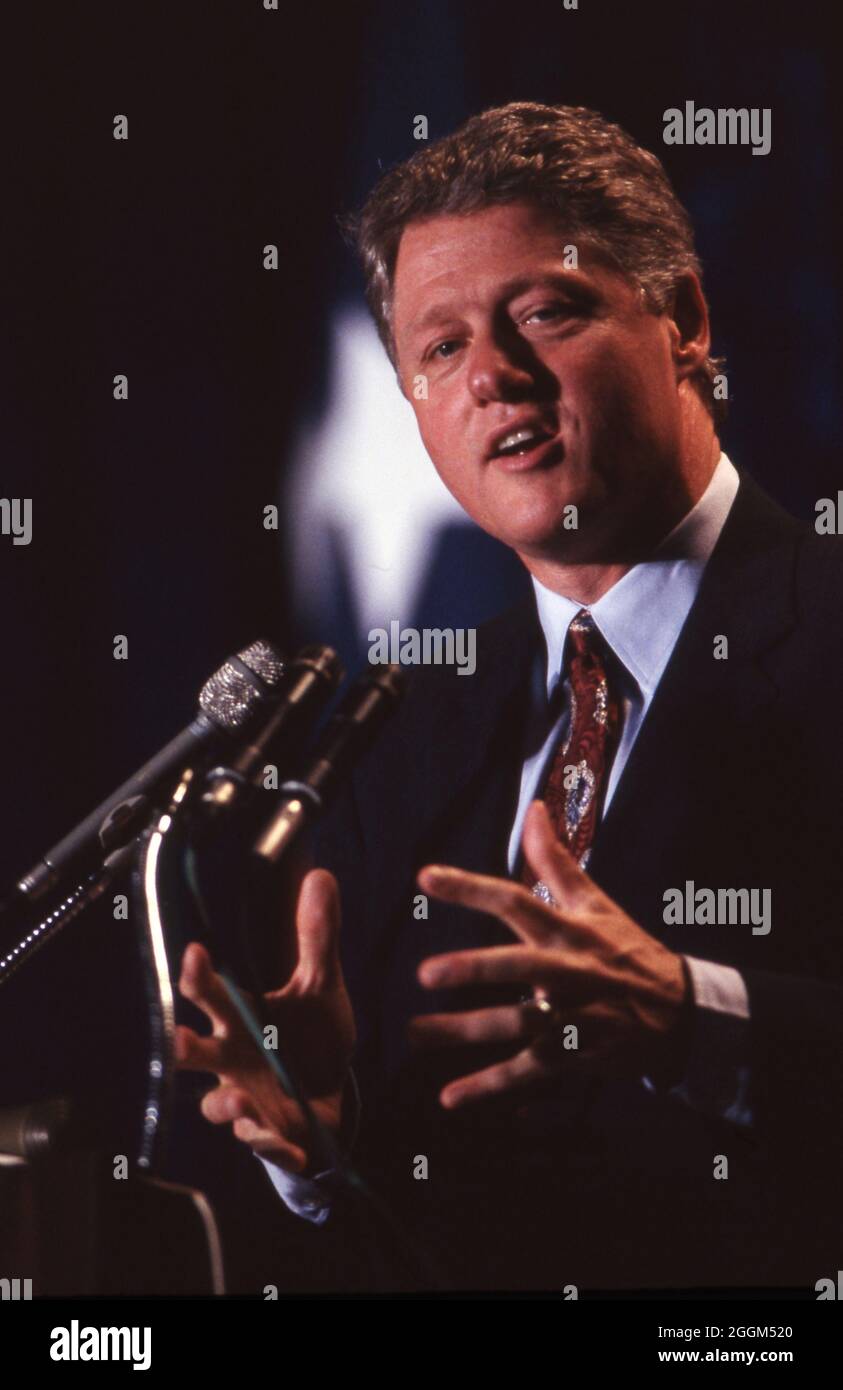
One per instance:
(508,231)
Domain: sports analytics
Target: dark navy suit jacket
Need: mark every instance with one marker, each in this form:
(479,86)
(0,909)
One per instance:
(734,781)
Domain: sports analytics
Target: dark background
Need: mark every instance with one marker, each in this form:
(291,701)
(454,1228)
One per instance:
(144,257)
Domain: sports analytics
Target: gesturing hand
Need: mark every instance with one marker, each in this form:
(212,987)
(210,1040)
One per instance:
(313,1015)
(584,961)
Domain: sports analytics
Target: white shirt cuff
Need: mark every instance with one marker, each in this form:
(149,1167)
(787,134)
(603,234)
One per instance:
(719,988)
(303,1196)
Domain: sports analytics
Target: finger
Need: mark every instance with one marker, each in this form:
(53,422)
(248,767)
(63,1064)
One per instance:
(511,1075)
(318,930)
(562,976)
(525,914)
(200,984)
(503,1024)
(226,1103)
(193,1053)
(551,861)
(270,1145)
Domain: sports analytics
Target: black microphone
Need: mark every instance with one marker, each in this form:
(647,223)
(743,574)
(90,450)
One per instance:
(346,736)
(306,686)
(39,1128)
(229,703)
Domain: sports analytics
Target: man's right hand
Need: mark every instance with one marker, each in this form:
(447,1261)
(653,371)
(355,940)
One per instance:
(314,1019)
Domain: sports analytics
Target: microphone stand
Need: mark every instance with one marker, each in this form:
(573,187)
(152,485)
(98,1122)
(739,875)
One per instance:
(53,1142)
(146,882)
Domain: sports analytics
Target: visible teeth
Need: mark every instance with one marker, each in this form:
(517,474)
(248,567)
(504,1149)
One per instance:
(518,437)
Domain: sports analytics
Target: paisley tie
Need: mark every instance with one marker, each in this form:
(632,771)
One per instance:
(576,783)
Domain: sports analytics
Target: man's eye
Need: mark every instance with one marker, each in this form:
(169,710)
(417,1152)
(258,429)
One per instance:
(438,350)
(547,311)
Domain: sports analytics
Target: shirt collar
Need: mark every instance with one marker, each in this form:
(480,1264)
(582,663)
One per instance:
(642,615)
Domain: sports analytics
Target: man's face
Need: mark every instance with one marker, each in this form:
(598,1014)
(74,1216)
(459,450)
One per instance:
(546,385)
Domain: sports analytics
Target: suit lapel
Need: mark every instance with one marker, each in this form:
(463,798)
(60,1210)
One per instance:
(706,717)
(475,731)
(462,766)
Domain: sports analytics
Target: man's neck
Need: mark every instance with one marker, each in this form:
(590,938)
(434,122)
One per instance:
(583,584)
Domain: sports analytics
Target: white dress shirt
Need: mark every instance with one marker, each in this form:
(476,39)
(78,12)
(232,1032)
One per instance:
(640,618)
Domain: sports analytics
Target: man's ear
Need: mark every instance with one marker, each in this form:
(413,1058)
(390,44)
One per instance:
(689,327)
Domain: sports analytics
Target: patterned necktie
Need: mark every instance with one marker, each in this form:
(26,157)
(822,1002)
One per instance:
(576,784)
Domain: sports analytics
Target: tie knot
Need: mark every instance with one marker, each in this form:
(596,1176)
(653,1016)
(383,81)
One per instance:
(583,637)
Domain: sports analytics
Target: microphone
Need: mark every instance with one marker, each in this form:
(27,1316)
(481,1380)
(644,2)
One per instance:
(229,702)
(345,738)
(42,1127)
(305,688)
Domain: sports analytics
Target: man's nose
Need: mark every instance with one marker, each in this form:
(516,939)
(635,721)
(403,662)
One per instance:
(494,374)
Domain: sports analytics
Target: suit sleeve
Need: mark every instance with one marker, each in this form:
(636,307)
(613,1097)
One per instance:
(796,1059)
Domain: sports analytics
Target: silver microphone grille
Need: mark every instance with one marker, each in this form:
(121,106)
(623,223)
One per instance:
(265,660)
(231,694)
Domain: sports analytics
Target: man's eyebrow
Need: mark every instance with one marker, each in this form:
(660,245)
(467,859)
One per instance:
(441,312)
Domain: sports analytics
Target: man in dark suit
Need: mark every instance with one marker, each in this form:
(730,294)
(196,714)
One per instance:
(605,1049)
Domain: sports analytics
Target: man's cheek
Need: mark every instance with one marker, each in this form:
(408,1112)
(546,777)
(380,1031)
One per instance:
(429,436)
(444,442)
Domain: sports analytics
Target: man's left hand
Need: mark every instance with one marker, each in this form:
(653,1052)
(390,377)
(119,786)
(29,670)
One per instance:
(580,961)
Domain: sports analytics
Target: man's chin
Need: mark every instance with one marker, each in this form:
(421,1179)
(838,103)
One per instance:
(557,534)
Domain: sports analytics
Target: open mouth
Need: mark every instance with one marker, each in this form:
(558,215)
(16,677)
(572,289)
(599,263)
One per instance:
(529,447)
(521,441)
